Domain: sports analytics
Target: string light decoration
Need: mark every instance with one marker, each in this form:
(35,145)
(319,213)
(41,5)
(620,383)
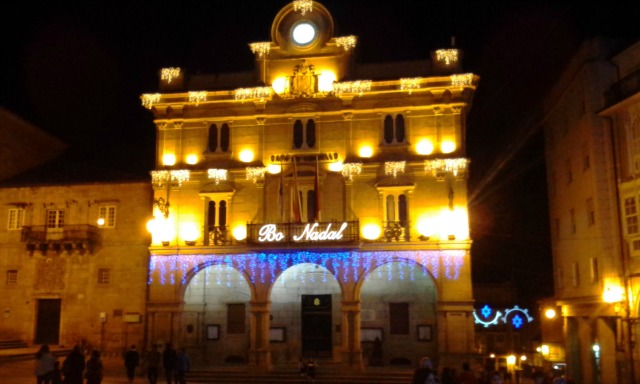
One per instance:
(217,174)
(346,42)
(394,167)
(350,169)
(162,177)
(359,87)
(148,99)
(345,266)
(168,74)
(197,97)
(255,173)
(253,93)
(461,80)
(303,6)
(261,48)
(485,320)
(517,321)
(448,56)
(409,84)
(439,167)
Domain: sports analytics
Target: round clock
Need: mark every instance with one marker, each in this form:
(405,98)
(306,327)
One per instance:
(304,33)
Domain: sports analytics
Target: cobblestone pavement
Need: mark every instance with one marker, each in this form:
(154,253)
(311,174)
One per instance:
(21,372)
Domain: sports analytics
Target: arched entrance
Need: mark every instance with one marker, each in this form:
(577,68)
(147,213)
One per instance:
(305,314)
(215,316)
(398,306)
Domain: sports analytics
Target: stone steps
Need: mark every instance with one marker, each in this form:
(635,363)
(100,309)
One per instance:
(293,377)
(13,344)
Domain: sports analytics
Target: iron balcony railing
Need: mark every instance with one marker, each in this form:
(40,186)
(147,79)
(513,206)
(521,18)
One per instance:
(68,237)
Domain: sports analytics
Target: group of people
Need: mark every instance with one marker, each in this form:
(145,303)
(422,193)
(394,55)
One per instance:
(75,369)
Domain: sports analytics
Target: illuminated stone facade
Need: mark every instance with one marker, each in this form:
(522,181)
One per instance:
(592,117)
(68,276)
(304,209)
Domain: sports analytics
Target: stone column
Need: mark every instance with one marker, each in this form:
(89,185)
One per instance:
(351,350)
(259,348)
(607,342)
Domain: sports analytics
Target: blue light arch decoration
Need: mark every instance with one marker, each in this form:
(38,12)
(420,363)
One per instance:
(518,316)
(265,267)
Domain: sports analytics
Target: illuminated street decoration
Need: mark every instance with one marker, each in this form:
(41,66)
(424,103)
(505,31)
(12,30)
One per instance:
(217,174)
(303,6)
(409,84)
(148,99)
(168,74)
(255,173)
(439,166)
(261,48)
(197,97)
(350,169)
(346,265)
(359,87)
(485,320)
(462,79)
(346,42)
(269,233)
(447,55)
(162,177)
(394,167)
(253,93)
(517,321)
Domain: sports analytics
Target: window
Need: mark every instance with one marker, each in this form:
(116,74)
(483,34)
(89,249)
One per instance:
(572,217)
(55,218)
(219,138)
(236,319)
(104,275)
(393,129)
(304,136)
(399,318)
(595,277)
(16,218)
(591,215)
(12,277)
(635,245)
(575,276)
(631,215)
(107,216)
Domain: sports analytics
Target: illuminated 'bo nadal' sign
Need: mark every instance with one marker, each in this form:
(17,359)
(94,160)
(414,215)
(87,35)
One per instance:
(269,233)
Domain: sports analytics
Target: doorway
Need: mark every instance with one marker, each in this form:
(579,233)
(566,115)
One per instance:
(316,326)
(48,322)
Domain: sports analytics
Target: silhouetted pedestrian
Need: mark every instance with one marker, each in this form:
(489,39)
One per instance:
(131,362)
(183,364)
(44,365)
(152,361)
(56,374)
(169,360)
(73,366)
(94,368)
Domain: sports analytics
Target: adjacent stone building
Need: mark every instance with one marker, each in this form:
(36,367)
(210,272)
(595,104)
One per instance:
(313,208)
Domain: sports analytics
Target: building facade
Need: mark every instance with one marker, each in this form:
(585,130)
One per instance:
(75,261)
(312,208)
(592,204)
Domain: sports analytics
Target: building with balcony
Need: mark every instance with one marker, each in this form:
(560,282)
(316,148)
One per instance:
(74,257)
(591,117)
(313,208)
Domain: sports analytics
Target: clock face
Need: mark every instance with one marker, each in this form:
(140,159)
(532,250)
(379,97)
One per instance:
(304,33)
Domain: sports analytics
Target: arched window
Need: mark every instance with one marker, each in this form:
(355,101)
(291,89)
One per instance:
(402,210)
(211,216)
(223,214)
(224,137)
(311,206)
(213,138)
(304,136)
(297,134)
(391,208)
(394,130)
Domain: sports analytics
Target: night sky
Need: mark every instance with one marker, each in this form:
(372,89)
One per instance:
(78,70)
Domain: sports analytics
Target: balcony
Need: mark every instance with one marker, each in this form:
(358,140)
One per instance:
(396,231)
(623,89)
(78,237)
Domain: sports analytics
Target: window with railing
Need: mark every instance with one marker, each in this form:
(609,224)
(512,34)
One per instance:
(55,218)
(217,231)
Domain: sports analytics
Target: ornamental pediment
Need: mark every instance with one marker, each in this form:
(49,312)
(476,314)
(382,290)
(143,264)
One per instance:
(216,188)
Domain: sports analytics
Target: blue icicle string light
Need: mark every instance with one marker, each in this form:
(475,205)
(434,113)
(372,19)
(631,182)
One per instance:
(356,265)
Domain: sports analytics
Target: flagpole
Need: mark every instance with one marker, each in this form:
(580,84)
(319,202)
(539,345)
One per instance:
(317,188)
(296,199)
(281,193)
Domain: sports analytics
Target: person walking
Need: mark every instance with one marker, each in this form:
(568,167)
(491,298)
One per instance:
(183,364)
(467,376)
(94,368)
(73,366)
(44,365)
(424,374)
(56,374)
(152,361)
(169,360)
(131,362)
